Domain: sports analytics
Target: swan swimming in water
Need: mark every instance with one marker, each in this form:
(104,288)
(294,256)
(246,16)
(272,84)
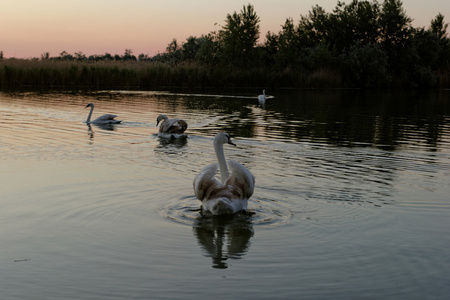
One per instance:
(231,194)
(171,127)
(105,119)
(262,98)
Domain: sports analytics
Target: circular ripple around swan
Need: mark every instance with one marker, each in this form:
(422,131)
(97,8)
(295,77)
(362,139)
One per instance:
(184,211)
(187,211)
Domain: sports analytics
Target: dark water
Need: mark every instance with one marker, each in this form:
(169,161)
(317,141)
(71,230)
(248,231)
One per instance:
(351,199)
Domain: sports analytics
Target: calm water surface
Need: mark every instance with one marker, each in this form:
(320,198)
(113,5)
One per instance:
(351,200)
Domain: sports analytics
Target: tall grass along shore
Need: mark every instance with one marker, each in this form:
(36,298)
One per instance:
(59,74)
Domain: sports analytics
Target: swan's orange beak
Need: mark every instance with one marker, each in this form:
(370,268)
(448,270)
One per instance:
(231,143)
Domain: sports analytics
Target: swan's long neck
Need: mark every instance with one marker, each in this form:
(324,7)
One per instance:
(90,114)
(222,162)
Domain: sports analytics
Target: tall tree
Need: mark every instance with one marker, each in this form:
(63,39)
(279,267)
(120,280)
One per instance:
(357,22)
(208,49)
(288,43)
(395,24)
(190,48)
(313,29)
(239,36)
(271,46)
(439,28)
(396,38)
(173,52)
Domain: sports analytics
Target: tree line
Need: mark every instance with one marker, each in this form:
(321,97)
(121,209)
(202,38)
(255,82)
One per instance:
(363,44)
(359,44)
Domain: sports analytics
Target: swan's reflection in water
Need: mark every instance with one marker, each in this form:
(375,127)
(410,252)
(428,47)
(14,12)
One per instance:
(90,132)
(172,142)
(110,127)
(223,238)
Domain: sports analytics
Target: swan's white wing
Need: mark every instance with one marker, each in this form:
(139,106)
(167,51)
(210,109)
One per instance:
(205,183)
(241,181)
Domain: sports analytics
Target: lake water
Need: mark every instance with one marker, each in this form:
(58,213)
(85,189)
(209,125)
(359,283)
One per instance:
(352,197)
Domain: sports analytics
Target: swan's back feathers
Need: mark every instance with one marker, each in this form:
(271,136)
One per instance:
(227,198)
(179,126)
(175,126)
(241,181)
(239,185)
(107,118)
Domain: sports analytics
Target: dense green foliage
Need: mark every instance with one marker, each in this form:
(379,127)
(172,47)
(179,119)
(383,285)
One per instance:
(360,44)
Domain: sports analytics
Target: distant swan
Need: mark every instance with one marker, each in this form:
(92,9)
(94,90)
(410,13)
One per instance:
(171,127)
(262,98)
(105,119)
(231,194)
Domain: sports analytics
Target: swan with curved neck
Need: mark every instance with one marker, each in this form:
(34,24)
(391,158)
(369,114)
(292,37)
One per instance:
(171,127)
(231,194)
(262,98)
(105,119)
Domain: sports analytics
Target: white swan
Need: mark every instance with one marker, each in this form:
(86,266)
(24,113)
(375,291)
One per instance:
(262,98)
(231,194)
(105,119)
(171,127)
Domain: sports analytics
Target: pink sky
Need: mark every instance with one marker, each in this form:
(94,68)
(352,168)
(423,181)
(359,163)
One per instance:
(29,28)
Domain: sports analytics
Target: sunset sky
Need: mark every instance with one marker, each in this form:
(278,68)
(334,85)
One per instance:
(29,28)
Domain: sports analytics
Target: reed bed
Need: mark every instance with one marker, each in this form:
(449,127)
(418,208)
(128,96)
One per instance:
(37,74)
(62,74)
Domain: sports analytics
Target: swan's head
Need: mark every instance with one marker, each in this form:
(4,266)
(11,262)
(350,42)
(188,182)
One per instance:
(223,138)
(90,105)
(161,117)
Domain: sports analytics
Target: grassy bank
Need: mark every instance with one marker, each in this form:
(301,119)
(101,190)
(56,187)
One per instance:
(47,74)
(60,74)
